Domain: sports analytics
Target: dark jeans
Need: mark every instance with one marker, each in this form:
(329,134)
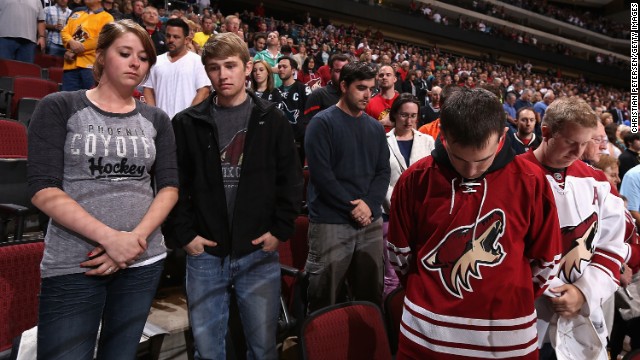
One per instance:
(17,49)
(72,306)
(55,49)
(77,79)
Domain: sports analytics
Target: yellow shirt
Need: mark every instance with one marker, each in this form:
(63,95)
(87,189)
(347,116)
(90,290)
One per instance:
(201,38)
(84,27)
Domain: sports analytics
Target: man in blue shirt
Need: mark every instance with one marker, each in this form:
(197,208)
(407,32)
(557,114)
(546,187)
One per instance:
(348,162)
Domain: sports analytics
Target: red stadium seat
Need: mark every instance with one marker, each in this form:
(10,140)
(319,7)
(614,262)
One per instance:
(19,288)
(13,140)
(55,74)
(348,331)
(18,68)
(26,87)
(47,61)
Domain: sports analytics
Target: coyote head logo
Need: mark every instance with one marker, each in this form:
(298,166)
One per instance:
(459,255)
(577,245)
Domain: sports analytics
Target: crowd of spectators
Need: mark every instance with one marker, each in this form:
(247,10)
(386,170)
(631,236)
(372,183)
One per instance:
(316,38)
(574,15)
(579,16)
(431,13)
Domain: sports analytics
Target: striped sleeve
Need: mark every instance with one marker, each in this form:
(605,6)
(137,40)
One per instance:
(400,227)
(601,277)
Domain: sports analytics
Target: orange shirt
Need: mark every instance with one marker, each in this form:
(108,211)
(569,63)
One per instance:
(432,128)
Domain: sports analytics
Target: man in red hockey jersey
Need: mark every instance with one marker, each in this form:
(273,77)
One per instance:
(474,238)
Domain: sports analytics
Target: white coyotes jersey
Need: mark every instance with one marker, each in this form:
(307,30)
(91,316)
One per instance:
(592,220)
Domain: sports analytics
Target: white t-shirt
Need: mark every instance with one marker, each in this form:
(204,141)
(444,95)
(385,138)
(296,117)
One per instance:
(175,83)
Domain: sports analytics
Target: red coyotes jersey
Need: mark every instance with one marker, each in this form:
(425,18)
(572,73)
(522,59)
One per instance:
(472,257)
(593,226)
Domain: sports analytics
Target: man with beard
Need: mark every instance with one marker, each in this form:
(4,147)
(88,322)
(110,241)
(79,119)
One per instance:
(178,79)
(349,169)
(593,224)
(455,230)
(524,138)
(378,107)
(294,94)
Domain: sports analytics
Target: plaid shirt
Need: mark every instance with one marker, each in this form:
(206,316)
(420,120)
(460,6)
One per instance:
(53,16)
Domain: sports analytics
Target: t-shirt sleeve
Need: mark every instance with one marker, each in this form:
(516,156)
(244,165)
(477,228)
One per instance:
(165,170)
(201,77)
(46,139)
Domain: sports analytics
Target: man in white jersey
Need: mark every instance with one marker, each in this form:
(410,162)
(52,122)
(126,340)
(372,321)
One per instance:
(592,220)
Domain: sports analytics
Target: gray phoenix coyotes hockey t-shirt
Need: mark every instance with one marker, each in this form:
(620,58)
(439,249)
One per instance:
(105,162)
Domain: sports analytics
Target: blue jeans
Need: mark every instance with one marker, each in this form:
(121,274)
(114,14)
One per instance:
(17,49)
(255,279)
(56,50)
(77,79)
(71,307)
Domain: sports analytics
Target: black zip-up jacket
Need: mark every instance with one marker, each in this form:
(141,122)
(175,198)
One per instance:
(269,194)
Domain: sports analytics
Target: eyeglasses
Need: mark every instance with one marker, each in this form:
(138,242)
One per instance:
(600,140)
(408,116)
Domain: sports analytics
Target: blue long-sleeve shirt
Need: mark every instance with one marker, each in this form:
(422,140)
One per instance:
(348,159)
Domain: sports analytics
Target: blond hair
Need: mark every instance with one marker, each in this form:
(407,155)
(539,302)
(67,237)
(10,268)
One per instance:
(569,110)
(225,45)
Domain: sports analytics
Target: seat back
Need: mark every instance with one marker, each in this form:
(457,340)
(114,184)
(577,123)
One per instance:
(48,61)
(348,331)
(393,307)
(30,88)
(26,107)
(13,182)
(15,68)
(13,139)
(293,253)
(19,288)
(55,74)
(6,93)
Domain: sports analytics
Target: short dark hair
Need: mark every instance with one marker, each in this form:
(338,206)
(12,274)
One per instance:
(337,57)
(629,138)
(285,49)
(178,23)
(401,100)
(259,36)
(471,116)
(523,109)
(292,62)
(356,71)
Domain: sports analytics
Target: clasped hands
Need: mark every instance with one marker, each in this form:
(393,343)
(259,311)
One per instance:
(361,214)
(119,250)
